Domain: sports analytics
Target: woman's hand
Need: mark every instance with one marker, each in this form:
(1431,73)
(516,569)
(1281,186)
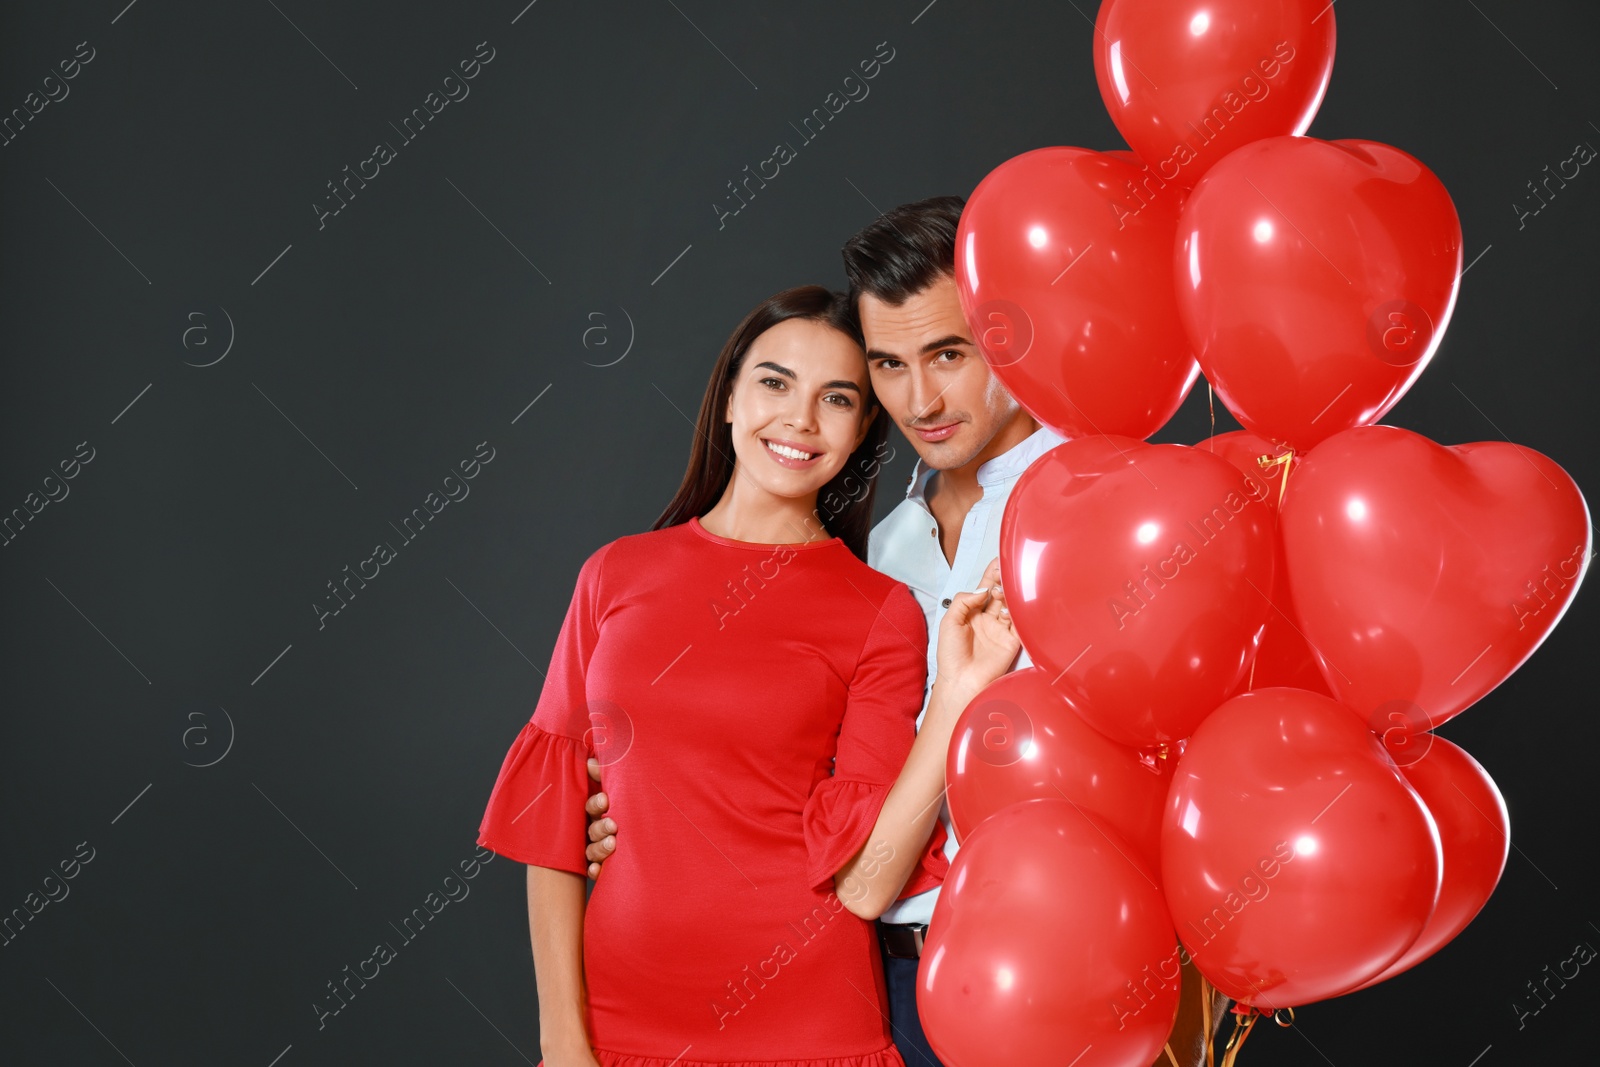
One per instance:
(976,646)
(977,642)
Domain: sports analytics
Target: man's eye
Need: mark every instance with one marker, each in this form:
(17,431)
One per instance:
(888,364)
(951,352)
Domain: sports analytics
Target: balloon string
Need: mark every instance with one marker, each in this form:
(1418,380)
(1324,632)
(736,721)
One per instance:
(1205,1012)
(1245,1018)
(1211,405)
(1266,463)
(1243,1024)
(1286,460)
(1170,1057)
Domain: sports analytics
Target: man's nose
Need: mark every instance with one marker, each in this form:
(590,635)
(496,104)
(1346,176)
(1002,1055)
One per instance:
(924,396)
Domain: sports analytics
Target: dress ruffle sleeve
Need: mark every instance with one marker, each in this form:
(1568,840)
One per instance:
(535,812)
(875,736)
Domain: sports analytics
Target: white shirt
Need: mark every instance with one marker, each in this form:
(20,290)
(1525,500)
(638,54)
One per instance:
(905,545)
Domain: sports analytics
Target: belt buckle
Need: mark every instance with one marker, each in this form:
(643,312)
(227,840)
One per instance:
(897,937)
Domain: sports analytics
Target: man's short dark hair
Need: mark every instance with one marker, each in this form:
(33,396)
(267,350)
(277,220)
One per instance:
(904,250)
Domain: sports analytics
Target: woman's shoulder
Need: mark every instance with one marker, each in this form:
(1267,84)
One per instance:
(630,551)
(886,611)
(883,590)
(637,545)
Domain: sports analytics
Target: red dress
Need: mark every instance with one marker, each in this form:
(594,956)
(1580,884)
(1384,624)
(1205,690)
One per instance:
(717,682)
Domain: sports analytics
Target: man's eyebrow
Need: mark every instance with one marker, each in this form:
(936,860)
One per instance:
(838,383)
(945,342)
(931,346)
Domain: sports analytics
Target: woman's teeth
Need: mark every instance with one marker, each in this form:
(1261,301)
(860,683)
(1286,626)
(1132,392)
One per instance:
(792,453)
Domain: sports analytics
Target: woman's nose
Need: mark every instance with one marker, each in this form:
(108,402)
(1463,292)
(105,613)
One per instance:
(800,416)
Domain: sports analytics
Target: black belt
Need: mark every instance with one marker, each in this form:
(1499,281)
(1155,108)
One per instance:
(902,940)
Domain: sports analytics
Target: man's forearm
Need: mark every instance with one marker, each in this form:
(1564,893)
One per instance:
(873,878)
(555,924)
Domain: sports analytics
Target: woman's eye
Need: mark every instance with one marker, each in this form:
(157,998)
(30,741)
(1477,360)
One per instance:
(772,381)
(843,400)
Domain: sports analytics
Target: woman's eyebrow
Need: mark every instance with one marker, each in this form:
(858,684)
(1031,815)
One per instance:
(785,371)
(838,383)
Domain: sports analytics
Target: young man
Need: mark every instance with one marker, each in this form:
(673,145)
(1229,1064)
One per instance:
(973,441)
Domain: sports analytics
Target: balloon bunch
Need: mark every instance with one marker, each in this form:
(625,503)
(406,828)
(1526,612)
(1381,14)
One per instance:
(1223,753)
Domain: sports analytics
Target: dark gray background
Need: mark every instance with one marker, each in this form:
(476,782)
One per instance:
(165,606)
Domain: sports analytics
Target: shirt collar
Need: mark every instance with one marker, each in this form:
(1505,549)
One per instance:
(1007,465)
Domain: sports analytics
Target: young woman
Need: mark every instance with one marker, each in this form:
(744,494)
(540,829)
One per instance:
(750,688)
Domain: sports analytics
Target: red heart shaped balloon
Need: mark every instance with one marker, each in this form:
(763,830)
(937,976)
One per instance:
(1073,305)
(1048,946)
(1424,575)
(1475,832)
(1296,861)
(1283,658)
(1315,280)
(1020,739)
(1137,576)
(1188,81)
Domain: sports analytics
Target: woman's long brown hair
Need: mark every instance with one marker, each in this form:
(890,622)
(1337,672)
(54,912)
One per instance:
(844,505)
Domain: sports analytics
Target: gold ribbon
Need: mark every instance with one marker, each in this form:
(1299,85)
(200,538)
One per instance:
(1244,1024)
(1284,459)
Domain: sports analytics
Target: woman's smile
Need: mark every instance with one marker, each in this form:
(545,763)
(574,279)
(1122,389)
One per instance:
(790,454)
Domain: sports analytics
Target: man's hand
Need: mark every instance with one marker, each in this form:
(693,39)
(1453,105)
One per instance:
(602,830)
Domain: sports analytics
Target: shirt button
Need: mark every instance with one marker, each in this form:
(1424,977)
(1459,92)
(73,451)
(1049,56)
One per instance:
(946,601)
(934,531)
